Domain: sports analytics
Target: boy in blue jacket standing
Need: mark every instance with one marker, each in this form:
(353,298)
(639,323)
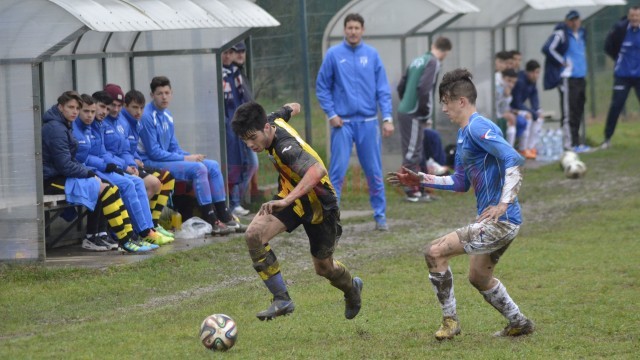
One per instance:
(566,68)
(351,84)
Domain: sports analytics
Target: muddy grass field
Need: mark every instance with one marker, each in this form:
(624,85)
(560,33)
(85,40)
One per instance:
(573,270)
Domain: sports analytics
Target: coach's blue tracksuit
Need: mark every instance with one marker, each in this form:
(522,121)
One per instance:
(92,153)
(352,83)
(159,148)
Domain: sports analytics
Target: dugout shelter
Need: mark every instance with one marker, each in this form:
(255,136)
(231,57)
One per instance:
(50,46)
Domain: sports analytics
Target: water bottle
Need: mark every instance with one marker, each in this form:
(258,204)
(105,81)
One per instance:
(544,147)
(176,221)
(557,145)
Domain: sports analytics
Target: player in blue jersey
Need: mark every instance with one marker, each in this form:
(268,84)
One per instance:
(487,162)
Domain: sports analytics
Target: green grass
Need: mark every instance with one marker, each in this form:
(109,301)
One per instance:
(573,269)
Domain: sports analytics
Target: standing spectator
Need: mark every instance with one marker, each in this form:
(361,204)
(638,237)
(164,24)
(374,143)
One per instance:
(159,148)
(526,89)
(565,67)
(249,184)
(623,46)
(351,85)
(485,161)
(416,106)
(242,163)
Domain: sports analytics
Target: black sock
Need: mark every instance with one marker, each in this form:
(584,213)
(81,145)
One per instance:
(208,214)
(222,211)
(144,233)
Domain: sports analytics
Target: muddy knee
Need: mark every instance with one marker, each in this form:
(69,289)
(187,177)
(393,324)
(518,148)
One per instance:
(479,281)
(430,255)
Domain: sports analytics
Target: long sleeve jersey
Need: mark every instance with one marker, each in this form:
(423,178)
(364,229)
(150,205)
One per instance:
(157,136)
(116,138)
(482,158)
(352,82)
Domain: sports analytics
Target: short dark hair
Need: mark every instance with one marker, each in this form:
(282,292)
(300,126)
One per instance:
(532,65)
(354,17)
(457,83)
(68,96)
(159,81)
(504,55)
(509,73)
(443,44)
(249,118)
(102,97)
(515,52)
(135,96)
(87,99)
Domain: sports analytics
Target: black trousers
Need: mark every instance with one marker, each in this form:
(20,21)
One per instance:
(572,99)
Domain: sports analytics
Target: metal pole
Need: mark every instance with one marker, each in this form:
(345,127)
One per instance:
(305,70)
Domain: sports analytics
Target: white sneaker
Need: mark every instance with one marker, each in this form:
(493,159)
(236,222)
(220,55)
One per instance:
(94,243)
(240,211)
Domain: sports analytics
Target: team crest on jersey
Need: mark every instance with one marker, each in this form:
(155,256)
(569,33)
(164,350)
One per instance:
(120,129)
(364,60)
(165,126)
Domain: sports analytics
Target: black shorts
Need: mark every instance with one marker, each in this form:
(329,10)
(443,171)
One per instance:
(55,185)
(323,237)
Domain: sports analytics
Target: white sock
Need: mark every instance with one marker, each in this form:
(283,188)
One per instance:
(442,283)
(511,134)
(524,138)
(534,135)
(501,301)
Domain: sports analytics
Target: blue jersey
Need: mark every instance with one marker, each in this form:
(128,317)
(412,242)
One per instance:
(482,157)
(116,138)
(157,136)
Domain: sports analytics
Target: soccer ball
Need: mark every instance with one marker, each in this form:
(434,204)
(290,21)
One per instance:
(567,158)
(575,169)
(218,332)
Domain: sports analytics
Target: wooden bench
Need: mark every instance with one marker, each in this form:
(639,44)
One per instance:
(54,206)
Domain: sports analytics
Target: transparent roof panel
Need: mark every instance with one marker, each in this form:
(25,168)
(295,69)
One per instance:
(32,28)
(384,17)
(492,13)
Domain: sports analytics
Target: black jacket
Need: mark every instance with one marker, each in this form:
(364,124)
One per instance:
(615,37)
(59,148)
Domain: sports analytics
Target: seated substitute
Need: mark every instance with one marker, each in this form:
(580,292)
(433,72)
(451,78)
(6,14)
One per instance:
(305,197)
(159,148)
(63,174)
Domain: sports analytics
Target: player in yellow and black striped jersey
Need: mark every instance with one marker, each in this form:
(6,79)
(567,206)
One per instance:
(305,197)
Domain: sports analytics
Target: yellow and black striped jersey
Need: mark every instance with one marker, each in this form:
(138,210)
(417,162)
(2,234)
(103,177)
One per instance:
(292,157)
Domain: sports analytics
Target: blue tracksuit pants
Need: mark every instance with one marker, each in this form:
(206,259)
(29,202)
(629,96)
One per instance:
(134,196)
(365,133)
(206,178)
